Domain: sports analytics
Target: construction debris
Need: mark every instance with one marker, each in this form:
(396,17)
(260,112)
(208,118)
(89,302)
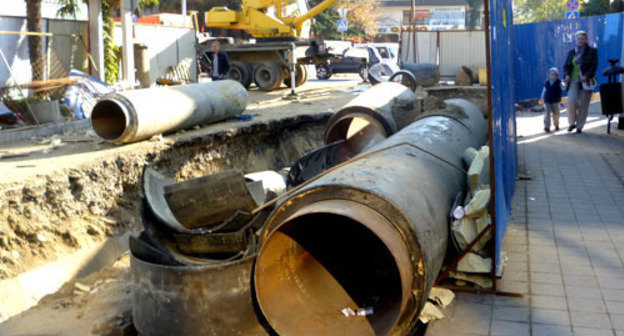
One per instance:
(474,263)
(469,156)
(463,77)
(272,182)
(466,230)
(209,200)
(483,281)
(442,297)
(473,218)
(194,279)
(430,313)
(479,172)
(358,312)
(479,204)
(438,297)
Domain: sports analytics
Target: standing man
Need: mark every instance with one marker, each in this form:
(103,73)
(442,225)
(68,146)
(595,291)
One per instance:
(580,72)
(220,62)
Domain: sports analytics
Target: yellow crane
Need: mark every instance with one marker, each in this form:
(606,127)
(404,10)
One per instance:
(281,28)
(253,18)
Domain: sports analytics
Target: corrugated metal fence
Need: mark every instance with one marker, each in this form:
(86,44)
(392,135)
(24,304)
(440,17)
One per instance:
(540,46)
(503,118)
(450,49)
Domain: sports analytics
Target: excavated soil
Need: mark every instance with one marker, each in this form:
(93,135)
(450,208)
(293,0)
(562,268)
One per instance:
(56,199)
(54,214)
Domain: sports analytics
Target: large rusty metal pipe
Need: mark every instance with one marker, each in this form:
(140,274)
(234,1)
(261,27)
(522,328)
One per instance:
(370,235)
(370,117)
(139,114)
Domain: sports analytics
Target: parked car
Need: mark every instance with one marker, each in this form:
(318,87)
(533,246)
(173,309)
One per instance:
(352,60)
(387,51)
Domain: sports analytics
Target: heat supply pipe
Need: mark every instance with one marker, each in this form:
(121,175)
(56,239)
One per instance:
(369,237)
(135,115)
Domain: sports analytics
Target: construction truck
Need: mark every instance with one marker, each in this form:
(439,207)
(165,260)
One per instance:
(279,30)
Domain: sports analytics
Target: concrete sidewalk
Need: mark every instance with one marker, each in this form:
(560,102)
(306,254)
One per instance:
(565,240)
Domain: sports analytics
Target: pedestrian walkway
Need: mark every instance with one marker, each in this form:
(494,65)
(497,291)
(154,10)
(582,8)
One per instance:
(565,240)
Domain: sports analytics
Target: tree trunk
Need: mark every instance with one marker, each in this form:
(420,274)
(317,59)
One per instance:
(35,43)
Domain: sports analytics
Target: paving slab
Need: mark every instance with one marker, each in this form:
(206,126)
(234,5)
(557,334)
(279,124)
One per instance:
(565,239)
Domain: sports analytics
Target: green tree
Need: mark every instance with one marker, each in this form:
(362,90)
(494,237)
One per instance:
(362,19)
(526,11)
(595,7)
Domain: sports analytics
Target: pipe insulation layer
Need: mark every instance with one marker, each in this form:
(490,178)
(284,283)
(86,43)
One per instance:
(135,115)
(369,237)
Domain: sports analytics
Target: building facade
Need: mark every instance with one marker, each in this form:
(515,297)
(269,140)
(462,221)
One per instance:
(429,15)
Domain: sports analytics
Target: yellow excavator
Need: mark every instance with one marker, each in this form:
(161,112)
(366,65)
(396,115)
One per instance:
(275,25)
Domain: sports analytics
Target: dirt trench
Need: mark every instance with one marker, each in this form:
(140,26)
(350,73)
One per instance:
(53,215)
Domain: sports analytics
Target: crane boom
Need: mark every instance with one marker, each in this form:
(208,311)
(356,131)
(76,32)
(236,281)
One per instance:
(253,19)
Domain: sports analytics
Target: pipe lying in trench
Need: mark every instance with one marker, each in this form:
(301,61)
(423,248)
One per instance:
(135,115)
(370,234)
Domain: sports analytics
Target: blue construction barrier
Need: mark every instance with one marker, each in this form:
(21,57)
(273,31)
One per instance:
(540,46)
(503,121)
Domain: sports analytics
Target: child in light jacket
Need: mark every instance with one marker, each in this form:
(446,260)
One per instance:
(551,97)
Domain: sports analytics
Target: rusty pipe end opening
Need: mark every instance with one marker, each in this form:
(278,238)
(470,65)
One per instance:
(351,120)
(360,127)
(331,256)
(110,119)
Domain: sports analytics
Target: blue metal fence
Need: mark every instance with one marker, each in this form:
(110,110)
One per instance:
(540,46)
(503,120)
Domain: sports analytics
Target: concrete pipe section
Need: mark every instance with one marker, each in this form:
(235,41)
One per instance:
(135,115)
(357,251)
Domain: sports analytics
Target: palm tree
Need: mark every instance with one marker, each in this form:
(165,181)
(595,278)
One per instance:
(35,43)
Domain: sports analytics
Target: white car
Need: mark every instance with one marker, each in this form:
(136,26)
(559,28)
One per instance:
(386,52)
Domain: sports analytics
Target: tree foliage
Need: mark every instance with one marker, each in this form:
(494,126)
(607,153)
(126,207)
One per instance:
(111,51)
(363,18)
(595,7)
(526,11)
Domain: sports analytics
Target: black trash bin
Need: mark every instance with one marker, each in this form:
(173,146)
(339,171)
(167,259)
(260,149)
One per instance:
(611,95)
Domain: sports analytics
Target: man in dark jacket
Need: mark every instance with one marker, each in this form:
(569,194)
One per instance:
(220,62)
(580,68)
